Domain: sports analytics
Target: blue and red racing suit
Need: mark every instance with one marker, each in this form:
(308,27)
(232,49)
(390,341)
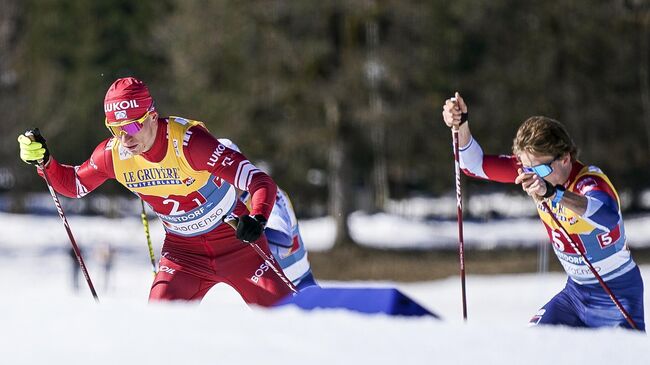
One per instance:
(599,233)
(285,242)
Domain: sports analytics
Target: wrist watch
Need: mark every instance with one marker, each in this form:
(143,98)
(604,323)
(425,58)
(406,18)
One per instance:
(559,193)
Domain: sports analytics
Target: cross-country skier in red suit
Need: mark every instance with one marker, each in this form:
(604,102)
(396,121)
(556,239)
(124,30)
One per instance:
(188,178)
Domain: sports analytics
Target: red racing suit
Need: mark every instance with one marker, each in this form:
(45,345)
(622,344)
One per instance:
(188,179)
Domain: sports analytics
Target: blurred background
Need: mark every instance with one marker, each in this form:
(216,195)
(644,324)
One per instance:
(341,102)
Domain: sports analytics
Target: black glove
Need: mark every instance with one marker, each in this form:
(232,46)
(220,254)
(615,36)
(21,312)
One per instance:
(249,228)
(33,147)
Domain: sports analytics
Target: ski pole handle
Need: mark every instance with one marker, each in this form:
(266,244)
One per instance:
(32,134)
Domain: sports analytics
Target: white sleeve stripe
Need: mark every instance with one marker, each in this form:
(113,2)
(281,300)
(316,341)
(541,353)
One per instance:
(244,178)
(250,177)
(245,171)
(81,189)
(239,167)
(592,206)
(471,158)
(596,224)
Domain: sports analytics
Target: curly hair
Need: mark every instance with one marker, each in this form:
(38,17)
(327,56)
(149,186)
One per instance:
(543,136)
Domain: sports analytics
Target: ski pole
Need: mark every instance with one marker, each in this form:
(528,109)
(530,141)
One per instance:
(459,213)
(232,221)
(145,224)
(59,208)
(575,247)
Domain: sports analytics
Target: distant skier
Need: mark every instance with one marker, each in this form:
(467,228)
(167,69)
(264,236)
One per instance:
(106,256)
(188,178)
(544,163)
(75,269)
(283,234)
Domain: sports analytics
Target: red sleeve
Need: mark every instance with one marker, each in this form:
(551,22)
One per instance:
(499,168)
(204,153)
(77,181)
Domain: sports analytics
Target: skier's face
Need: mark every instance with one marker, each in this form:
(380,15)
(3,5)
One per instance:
(142,140)
(554,169)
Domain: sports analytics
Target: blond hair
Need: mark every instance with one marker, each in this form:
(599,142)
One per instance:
(543,136)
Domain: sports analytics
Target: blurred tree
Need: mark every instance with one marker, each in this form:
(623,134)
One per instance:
(11,102)
(72,52)
(265,74)
(564,59)
(341,99)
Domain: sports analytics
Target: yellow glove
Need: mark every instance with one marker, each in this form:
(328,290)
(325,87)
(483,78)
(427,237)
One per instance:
(33,150)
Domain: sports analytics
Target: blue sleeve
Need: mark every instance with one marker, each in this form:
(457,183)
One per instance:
(602,209)
(278,238)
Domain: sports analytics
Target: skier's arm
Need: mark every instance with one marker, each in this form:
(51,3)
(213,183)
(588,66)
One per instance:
(601,205)
(472,160)
(592,198)
(204,152)
(77,181)
(454,114)
(576,202)
(281,224)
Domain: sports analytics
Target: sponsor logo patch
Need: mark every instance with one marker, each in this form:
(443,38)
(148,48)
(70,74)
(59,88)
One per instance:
(216,154)
(120,114)
(124,153)
(175,143)
(120,105)
(166,269)
(259,273)
(153,176)
(586,184)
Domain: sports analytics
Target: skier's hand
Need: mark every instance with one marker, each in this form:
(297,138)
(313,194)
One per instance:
(532,184)
(33,149)
(454,112)
(249,229)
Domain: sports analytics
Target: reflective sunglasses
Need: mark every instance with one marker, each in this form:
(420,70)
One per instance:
(130,127)
(542,170)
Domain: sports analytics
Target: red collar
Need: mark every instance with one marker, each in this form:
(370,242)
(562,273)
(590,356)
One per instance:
(575,169)
(159,148)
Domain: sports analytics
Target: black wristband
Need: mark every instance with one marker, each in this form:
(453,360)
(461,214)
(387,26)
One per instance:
(550,190)
(463,118)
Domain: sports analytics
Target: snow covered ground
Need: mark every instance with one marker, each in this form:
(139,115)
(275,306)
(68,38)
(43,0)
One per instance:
(45,321)
(388,231)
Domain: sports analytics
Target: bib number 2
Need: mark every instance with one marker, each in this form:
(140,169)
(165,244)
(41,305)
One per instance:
(176,205)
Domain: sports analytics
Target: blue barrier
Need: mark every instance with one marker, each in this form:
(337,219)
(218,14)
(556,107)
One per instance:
(365,300)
